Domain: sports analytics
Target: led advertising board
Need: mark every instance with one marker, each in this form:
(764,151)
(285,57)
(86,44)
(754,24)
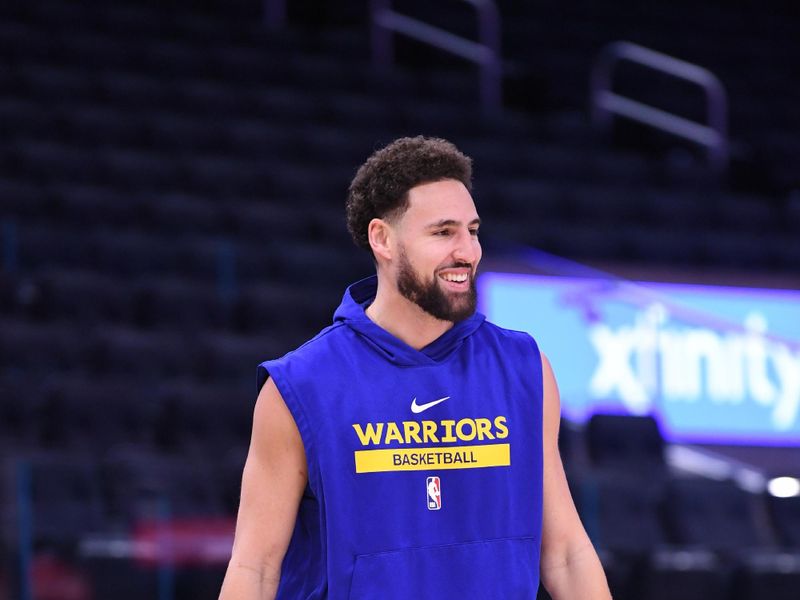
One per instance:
(712,364)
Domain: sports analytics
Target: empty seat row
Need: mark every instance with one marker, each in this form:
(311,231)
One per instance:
(71,499)
(693,574)
(158,172)
(74,499)
(138,254)
(70,415)
(692,538)
(102,350)
(87,299)
(94,206)
(632,514)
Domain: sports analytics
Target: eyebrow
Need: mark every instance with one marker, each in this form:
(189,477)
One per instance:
(450,223)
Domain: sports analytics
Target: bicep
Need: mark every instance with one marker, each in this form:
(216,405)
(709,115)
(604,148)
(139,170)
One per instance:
(273,480)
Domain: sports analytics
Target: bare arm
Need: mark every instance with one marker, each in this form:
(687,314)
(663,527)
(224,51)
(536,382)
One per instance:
(570,568)
(273,481)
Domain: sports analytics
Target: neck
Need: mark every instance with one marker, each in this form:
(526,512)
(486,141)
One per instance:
(403,319)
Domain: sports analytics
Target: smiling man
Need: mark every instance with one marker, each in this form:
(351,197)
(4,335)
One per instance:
(409,450)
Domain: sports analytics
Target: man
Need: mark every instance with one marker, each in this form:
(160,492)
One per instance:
(410,449)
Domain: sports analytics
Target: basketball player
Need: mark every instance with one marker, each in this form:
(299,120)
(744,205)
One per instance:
(408,384)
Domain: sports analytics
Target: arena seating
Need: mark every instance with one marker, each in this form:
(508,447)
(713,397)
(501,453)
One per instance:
(172,179)
(785,514)
(626,443)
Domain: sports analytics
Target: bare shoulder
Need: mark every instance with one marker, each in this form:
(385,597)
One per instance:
(271,409)
(275,437)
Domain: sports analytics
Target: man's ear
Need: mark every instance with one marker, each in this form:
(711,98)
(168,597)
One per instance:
(380,236)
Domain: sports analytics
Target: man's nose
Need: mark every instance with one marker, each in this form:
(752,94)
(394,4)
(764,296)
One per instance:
(466,249)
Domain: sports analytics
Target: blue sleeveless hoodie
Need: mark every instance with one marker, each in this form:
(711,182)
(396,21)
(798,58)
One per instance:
(424,466)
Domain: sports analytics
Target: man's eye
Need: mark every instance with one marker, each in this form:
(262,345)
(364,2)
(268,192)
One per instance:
(473,232)
(442,232)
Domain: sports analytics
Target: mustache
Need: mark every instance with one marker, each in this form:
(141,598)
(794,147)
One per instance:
(459,265)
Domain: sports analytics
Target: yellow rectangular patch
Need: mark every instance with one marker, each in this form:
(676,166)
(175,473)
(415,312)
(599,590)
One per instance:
(426,459)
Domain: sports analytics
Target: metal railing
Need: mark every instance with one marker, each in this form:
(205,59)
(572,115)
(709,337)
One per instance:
(713,134)
(485,52)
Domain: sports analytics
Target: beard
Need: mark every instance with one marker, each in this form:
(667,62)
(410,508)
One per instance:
(431,298)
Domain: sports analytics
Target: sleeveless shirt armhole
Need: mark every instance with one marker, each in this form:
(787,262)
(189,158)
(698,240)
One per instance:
(298,414)
(537,368)
(537,353)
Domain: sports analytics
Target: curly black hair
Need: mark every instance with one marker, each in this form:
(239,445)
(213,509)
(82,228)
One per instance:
(380,187)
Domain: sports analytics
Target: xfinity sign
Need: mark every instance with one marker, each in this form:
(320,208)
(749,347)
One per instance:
(711,363)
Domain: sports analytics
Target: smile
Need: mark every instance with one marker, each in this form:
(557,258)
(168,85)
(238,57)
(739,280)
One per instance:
(455,277)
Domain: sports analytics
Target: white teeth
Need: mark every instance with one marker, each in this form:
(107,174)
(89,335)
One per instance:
(456,278)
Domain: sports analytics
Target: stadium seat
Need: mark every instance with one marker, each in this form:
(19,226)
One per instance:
(29,347)
(85,298)
(768,576)
(715,515)
(262,139)
(172,133)
(785,513)
(738,250)
(31,119)
(204,97)
(66,500)
(100,125)
(293,104)
(97,49)
(206,422)
(664,244)
(91,419)
(240,63)
(222,356)
(52,162)
(620,510)
(270,308)
(23,41)
(624,443)
(253,220)
(8,294)
(23,198)
(141,355)
(133,91)
(685,574)
(143,171)
(180,305)
(45,83)
(81,206)
(20,406)
(144,486)
(170,58)
(224,176)
(41,246)
(229,477)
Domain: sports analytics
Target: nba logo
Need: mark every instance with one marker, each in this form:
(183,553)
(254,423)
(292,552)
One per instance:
(434,489)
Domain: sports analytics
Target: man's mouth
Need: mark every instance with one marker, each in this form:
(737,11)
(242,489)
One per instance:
(455,277)
(457,280)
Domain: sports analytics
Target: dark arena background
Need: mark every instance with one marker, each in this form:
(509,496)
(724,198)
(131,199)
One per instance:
(172,185)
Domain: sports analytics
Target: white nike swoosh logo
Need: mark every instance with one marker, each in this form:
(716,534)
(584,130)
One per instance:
(418,408)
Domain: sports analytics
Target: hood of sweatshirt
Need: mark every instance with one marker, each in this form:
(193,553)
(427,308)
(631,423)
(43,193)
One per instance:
(351,312)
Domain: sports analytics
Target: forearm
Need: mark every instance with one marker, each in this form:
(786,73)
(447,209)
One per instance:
(243,582)
(576,575)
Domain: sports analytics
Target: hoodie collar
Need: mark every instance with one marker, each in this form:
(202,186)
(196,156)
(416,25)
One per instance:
(351,312)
